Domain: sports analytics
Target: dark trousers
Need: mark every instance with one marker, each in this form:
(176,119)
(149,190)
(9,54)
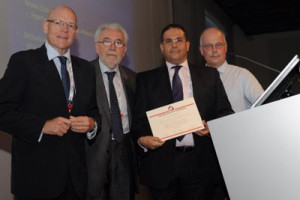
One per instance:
(184,184)
(68,193)
(120,180)
(120,183)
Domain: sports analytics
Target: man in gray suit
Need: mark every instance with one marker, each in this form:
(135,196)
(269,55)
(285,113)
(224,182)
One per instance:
(111,159)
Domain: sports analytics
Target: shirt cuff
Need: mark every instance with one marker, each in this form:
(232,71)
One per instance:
(144,148)
(41,136)
(91,134)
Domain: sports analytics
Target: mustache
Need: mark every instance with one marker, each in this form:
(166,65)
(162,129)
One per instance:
(214,54)
(112,53)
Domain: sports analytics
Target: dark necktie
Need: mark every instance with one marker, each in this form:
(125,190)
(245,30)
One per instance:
(65,75)
(116,122)
(177,90)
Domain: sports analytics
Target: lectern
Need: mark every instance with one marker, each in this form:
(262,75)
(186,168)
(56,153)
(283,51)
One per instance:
(259,149)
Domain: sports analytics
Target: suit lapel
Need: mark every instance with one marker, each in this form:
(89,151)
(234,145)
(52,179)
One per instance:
(198,85)
(165,84)
(78,83)
(102,99)
(127,87)
(49,72)
(195,80)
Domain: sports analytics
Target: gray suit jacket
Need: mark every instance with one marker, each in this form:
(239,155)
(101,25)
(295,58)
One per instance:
(98,150)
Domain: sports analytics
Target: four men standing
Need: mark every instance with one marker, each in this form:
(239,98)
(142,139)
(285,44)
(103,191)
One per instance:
(48,98)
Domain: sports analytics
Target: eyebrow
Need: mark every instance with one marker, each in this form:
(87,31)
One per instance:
(174,37)
(107,38)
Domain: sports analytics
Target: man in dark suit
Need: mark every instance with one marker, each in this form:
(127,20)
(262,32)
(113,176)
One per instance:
(182,168)
(111,155)
(48,103)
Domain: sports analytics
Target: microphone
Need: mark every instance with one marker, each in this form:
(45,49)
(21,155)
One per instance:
(253,61)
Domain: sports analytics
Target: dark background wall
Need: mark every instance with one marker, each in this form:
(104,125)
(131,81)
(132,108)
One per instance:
(272,49)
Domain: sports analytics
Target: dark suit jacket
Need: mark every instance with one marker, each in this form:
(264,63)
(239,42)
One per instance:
(31,92)
(153,91)
(98,159)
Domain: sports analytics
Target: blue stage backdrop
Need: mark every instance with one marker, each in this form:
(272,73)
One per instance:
(21,24)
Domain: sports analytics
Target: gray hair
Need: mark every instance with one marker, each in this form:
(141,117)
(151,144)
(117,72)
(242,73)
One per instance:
(223,34)
(110,26)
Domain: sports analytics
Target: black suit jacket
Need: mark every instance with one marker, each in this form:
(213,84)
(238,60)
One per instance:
(153,91)
(31,92)
(98,158)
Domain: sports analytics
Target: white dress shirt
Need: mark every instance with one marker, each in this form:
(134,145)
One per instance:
(120,94)
(242,88)
(52,54)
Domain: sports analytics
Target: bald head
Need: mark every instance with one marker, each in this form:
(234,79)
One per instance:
(210,31)
(213,47)
(61,9)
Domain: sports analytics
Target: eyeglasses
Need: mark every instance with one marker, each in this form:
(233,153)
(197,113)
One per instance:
(218,45)
(108,43)
(61,23)
(170,41)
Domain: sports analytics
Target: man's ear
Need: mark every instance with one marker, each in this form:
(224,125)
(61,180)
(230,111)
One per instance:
(45,27)
(161,47)
(201,50)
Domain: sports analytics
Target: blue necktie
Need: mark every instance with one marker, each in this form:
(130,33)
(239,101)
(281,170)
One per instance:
(177,90)
(65,75)
(116,121)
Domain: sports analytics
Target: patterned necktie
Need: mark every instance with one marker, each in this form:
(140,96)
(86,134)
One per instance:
(65,75)
(177,90)
(116,122)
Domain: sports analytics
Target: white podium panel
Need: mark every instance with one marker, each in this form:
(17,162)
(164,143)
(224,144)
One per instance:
(259,151)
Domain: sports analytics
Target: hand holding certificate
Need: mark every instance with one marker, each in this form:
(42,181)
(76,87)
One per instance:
(175,119)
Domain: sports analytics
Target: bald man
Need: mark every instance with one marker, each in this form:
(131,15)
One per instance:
(48,104)
(241,86)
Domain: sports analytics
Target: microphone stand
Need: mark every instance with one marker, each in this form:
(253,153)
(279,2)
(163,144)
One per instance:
(287,92)
(255,62)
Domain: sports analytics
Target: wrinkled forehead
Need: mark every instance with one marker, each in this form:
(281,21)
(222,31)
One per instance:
(111,33)
(213,37)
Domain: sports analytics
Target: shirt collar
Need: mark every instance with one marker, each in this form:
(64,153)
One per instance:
(52,53)
(170,65)
(104,68)
(223,67)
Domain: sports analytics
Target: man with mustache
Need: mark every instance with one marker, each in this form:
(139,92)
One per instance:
(111,156)
(241,86)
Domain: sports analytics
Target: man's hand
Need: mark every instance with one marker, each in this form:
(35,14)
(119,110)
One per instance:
(204,131)
(150,142)
(56,126)
(82,124)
